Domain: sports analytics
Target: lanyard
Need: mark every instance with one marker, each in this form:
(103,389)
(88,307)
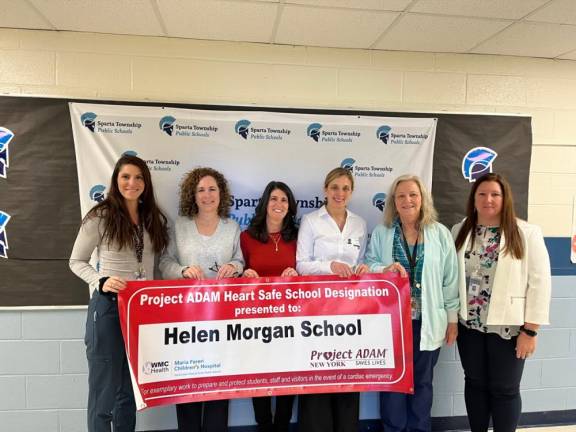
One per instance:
(139,243)
(410,256)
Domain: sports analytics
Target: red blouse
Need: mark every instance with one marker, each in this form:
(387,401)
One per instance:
(263,257)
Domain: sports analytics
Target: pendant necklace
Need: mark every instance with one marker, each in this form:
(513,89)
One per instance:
(276,239)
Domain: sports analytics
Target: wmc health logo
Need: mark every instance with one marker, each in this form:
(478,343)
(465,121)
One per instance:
(4,218)
(383,133)
(242,128)
(167,124)
(379,201)
(313,131)
(6,136)
(478,162)
(97,193)
(88,120)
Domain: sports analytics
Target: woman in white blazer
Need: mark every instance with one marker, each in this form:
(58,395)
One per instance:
(504,285)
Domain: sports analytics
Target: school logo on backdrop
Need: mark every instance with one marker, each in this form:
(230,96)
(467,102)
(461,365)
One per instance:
(97,193)
(313,131)
(154,164)
(383,133)
(246,130)
(360,170)
(4,218)
(90,121)
(379,201)
(400,135)
(477,162)
(167,124)
(321,134)
(174,127)
(6,136)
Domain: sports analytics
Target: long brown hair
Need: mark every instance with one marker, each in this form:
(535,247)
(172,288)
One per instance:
(508,224)
(118,227)
(188,206)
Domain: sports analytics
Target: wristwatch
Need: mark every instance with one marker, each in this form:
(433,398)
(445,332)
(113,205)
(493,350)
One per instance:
(528,332)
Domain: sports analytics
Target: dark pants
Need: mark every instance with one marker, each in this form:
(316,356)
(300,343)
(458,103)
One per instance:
(263,413)
(405,412)
(492,375)
(110,394)
(209,416)
(334,412)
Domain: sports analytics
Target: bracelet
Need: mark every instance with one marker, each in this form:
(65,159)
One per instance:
(528,332)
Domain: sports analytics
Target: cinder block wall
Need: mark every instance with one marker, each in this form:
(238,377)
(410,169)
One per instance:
(42,364)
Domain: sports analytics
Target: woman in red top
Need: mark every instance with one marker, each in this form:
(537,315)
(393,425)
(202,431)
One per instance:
(269,249)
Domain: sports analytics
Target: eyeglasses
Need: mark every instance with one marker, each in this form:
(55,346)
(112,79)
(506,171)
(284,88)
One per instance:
(216,268)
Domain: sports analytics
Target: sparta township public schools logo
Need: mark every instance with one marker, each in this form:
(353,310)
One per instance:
(167,124)
(478,162)
(4,218)
(348,164)
(242,128)
(313,131)
(379,201)
(6,136)
(88,120)
(383,133)
(97,193)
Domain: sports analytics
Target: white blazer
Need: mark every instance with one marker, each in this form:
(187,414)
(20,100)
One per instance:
(521,288)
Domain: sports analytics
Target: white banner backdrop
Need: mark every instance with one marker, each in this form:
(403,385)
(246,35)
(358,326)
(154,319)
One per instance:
(251,148)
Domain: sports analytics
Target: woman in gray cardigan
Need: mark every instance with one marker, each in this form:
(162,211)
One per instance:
(125,230)
(204,244)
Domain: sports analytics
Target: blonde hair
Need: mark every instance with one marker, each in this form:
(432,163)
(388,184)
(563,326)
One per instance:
(428,214)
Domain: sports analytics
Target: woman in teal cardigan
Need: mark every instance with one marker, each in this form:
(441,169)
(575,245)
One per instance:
(414,244)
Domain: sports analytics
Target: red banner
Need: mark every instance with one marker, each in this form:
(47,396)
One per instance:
(220,339)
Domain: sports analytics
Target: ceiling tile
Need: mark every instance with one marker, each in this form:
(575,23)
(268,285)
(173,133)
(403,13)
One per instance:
(438,34)
(220,20)
(531,40)
(508,9)
(19,14)
(559,11)
(302,25)
(388,5)
(569,56)
(103,16)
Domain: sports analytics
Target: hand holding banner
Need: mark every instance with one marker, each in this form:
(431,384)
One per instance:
(220,339)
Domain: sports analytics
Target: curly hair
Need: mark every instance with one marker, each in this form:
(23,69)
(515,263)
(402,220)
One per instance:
(428,214)
(189,184)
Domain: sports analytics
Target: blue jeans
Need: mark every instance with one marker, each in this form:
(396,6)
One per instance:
(405,412)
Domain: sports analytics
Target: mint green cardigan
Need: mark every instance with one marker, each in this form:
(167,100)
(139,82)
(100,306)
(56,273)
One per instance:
(440,301)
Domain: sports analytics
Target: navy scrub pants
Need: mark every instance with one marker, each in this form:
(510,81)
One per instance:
(405,412)
(492,375)
(110,395)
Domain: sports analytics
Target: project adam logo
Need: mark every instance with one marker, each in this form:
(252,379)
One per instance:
(4,218)
(379,201)
(478,162)
(6,136)
(400,135)
(246,130)
(358,170)
(318,133)
(348,358)
(156,367)
(90,121)
(156,164)
(171,126)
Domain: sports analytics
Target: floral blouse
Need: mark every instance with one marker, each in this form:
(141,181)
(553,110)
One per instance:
(481,261)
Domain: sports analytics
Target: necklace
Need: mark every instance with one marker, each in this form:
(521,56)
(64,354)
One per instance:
(276,239)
